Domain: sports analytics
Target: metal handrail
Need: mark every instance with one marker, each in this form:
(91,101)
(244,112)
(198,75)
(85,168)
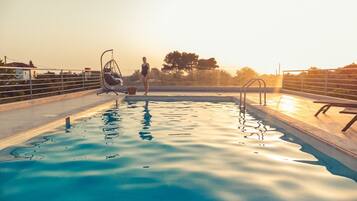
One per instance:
(101,65)
(324,69)
(341,82)
(35,68)
(17,83)
(243,91)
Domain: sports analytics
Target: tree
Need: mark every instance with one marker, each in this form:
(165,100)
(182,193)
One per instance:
(224,77)
(31,64)
(244,74)
(315,71)
(177,61)
(155,73)
(353,65)
(207,64)
(188,61)
(172,61)
(349,69)
(135,76)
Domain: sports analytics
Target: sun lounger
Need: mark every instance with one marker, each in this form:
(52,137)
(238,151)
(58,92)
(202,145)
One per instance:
(333,103)
(354,119)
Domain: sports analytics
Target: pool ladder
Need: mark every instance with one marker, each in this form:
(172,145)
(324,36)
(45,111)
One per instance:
(243,92)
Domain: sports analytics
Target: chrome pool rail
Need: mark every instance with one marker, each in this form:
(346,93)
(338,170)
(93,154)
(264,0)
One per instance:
(24,83)
(341,82)
(243,91)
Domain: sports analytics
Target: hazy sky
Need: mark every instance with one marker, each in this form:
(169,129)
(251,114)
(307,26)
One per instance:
(256,33)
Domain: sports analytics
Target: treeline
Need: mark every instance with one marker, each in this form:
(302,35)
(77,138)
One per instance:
(177,61)
(188,69)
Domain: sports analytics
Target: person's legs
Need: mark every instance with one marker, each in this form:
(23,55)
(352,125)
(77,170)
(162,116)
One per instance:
(146,85)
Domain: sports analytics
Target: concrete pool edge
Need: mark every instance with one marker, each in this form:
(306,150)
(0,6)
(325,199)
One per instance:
(38,101)
(309,134)
(212,98)
(21,137)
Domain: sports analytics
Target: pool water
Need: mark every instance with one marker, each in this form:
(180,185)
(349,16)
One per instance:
(171,151)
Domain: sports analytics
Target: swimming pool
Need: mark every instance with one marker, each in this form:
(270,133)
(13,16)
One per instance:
(172,151)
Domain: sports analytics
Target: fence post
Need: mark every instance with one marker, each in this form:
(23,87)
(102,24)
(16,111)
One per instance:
(30,77)
(283,80)
(302,82)
(62,87)
(326,81)
(83,84)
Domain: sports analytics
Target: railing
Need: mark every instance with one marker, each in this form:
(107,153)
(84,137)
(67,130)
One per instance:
(329,82)
(242,102)
(18,83)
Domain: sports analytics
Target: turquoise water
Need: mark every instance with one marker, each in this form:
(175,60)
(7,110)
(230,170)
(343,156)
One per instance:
(171,151)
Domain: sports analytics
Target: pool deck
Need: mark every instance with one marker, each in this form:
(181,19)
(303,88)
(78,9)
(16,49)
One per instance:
(297,112)
(303,109)
(22,123)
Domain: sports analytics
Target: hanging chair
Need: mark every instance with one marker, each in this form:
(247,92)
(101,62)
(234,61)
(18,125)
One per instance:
(112,79)
(112,75)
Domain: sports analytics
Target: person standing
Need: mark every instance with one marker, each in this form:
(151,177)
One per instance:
(145,68)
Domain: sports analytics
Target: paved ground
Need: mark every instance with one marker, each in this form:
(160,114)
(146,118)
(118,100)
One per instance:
(303,109)
(21,120)
(298,112)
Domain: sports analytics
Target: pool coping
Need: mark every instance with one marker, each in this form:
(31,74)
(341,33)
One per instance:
(170,98)
(335,148)
(23,136)
(38,101)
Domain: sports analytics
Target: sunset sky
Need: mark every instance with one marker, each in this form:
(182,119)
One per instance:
(256,33)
